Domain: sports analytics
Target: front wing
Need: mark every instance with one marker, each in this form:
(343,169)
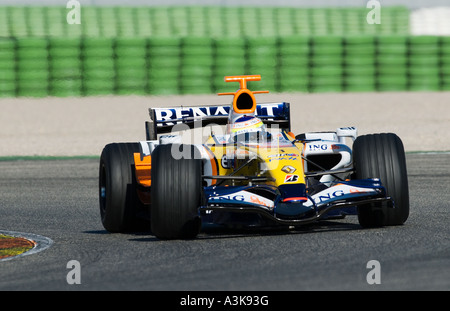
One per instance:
(339,199)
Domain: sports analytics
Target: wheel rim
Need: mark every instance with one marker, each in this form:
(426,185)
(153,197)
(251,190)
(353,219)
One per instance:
(102,191)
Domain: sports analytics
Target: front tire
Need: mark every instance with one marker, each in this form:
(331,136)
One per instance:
(382,156)
(176,192)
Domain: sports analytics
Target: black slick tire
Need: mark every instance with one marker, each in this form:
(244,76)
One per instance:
(176,192)
(382,156)
(120,206)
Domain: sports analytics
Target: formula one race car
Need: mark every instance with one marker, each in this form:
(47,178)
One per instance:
(249,175)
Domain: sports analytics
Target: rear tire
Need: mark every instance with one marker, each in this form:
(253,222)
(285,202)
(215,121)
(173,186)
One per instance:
(176,193)
(120,206)
(382,156)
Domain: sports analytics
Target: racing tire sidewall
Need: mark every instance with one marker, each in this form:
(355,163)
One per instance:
(176,193)
(382,156)
(120,204)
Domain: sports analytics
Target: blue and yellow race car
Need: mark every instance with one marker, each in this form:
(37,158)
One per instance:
(254,172)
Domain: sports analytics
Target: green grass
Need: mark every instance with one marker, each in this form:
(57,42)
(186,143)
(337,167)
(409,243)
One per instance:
(12,246)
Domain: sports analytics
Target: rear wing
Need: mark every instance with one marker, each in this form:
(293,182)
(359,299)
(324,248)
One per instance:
(164,119)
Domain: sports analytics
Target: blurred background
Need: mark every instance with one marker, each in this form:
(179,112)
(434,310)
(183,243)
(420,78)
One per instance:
(169,47)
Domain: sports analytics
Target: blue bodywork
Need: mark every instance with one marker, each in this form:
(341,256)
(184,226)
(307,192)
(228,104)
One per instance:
(228,206)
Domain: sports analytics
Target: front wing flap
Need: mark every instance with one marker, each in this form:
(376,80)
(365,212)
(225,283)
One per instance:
(267,201)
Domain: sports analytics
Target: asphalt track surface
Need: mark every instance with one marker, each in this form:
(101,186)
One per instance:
(58,199)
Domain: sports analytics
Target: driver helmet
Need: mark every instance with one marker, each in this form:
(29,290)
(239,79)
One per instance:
(247,129)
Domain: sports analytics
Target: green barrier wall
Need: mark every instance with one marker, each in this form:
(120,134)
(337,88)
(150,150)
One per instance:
(199,21)
(192,65)
(188,50)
